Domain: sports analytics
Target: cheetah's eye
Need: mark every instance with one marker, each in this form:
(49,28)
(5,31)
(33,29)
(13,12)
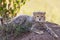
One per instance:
(37,16)
(41,16)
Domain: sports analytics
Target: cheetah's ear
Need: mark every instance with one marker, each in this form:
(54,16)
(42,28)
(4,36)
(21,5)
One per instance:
(34,13)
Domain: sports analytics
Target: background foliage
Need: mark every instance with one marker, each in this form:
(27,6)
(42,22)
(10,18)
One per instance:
(10,8)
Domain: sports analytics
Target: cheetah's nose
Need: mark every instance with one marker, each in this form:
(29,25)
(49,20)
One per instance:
(39,19)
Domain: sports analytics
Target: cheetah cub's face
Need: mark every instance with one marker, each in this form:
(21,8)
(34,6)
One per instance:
(39,16)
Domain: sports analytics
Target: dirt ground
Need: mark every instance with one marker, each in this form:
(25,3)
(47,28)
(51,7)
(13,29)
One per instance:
(44,36)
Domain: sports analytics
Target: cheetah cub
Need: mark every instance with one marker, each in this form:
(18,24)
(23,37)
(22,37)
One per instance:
(40,24)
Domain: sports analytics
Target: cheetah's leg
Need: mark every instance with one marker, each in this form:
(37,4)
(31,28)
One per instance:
(36,30)
(50,31)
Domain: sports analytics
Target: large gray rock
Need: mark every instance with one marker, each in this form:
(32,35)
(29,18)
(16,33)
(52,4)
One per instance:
(44,36)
